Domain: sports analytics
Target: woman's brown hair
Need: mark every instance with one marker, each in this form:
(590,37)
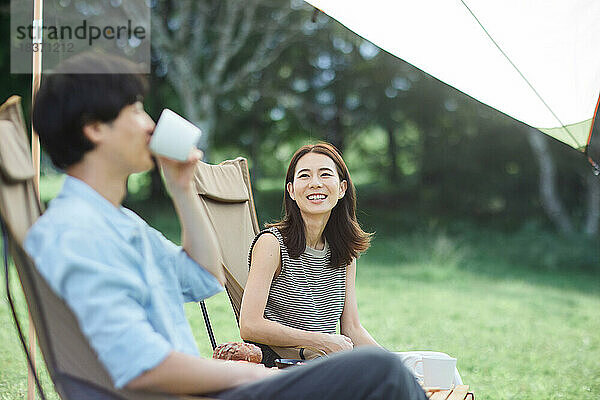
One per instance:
(343,233)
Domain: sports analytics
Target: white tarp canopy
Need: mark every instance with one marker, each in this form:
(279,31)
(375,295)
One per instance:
(535,60)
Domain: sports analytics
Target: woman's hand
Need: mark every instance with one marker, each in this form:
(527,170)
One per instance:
(331,343)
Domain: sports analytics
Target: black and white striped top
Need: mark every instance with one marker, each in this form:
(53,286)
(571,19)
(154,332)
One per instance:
(308,294)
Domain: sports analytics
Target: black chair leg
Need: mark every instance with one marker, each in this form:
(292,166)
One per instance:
(211,335)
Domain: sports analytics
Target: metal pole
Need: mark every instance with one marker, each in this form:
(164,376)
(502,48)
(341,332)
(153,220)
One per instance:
(209,329)
(38,6)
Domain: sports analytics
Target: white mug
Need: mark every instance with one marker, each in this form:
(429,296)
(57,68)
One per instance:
(438,371)
(174,136)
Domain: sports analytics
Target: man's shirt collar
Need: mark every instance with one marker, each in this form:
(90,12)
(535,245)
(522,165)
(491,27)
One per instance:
(119,217)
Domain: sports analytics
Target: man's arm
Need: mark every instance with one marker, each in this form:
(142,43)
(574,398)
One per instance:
(184,374)
(198,236)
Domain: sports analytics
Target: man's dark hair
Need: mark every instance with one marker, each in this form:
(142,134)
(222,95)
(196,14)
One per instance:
(69,99)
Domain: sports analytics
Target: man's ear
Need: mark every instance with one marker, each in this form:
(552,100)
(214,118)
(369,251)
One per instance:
(93,131)
(343,188)
(290,189)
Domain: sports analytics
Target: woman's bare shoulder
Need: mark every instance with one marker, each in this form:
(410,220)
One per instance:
(267,240)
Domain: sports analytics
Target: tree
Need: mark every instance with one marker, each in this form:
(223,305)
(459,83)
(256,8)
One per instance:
(549,194)
(206,49)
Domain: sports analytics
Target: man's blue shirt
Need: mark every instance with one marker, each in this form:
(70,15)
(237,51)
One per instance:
(125,282)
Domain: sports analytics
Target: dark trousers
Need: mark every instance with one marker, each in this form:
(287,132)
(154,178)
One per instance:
(364,373)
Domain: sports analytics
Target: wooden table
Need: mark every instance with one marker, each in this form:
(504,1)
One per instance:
(460,392)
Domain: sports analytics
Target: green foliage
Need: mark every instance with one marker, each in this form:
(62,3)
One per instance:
(402,132)
(11,84)
(50,185)
(138,186)
(535,249)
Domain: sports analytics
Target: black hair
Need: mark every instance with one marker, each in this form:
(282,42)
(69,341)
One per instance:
(343,233)
(87,88)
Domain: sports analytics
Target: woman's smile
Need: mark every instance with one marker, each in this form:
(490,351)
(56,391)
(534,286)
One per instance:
(316,198)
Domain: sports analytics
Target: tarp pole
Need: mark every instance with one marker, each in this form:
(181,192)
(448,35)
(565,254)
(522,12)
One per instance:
(38,6)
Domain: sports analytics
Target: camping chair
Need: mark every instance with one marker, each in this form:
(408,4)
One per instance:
(71,362)
(226,192)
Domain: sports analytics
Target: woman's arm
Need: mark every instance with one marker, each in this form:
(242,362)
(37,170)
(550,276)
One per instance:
(265,262)
(350,322)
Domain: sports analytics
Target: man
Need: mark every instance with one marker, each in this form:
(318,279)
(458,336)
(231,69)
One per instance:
(125,282)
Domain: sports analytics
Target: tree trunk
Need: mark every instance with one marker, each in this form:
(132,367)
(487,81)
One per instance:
(255,148)
(204,117)
(393,155)
(592,220)
(157,189)
(207,120)
(335,135)
(215,47)
(549,197)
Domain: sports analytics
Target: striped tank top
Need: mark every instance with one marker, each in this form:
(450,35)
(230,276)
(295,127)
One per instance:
(308,294)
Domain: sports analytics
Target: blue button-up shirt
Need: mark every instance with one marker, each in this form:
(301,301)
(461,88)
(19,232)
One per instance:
(125,282)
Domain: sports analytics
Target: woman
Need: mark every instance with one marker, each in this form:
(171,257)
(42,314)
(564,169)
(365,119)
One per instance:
(302,273)
(303,268)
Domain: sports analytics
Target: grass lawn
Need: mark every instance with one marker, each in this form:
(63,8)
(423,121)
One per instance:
(522,322)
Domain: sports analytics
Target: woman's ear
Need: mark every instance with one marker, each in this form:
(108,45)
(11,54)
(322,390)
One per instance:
(343,188)
(93,131)
(290,189)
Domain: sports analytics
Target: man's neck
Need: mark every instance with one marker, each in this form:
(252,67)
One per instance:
(110,185)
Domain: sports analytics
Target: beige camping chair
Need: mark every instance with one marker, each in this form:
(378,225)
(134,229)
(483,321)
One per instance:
(73,366)
(226,192)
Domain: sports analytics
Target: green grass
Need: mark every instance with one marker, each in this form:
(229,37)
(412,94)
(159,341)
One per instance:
(518,332)
(520,312)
